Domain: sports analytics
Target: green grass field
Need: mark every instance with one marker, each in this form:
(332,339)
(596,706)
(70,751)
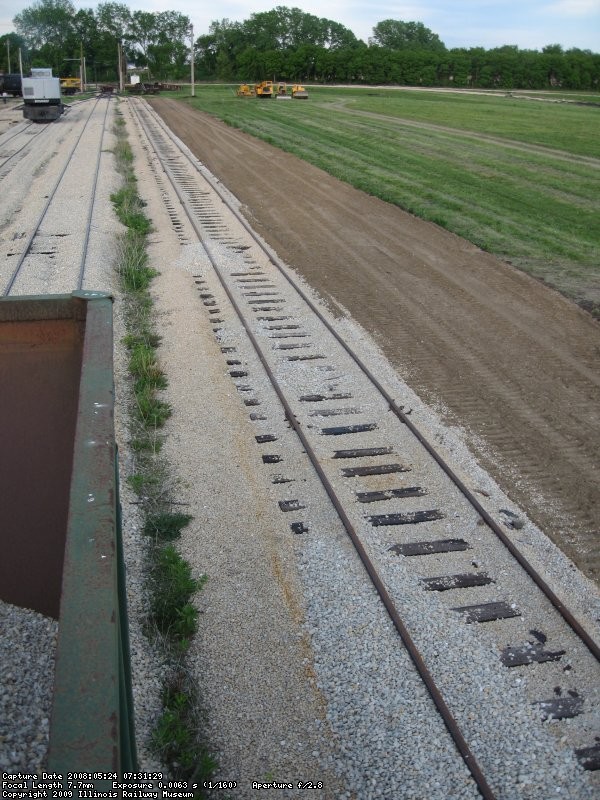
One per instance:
(520,178)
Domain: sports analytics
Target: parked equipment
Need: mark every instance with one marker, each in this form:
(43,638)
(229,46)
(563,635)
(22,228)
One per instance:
(70,85)
(144,88)
(270,89)
(11,84)
(299,92)
(281,92)
(245,90)
(41,96)
(264,89)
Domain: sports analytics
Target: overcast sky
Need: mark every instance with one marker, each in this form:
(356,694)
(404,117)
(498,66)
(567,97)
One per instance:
(529,24)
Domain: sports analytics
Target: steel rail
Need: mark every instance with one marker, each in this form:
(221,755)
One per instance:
(570,619)
(415,655)
(92,204)
(18,133)
(33,234)
(14,133)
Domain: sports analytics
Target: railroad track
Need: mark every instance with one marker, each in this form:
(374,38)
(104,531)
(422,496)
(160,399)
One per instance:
(16,143)
(47,252)
(450,574)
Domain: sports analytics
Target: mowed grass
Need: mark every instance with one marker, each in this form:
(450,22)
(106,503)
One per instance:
(519,178)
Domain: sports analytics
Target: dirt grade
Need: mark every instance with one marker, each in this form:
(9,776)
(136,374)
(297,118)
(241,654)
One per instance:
(512,362)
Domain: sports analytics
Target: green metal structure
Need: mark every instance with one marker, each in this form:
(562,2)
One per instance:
(62,546)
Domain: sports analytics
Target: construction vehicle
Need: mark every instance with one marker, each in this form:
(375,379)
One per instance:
(264,89)
(271,89)
(70,85)
(281,92)
(299,92)
(245,90)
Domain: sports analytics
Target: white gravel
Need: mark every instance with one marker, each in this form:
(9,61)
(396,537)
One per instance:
(27,648)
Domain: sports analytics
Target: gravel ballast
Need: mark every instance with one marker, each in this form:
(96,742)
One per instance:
(27,648)
(375,714)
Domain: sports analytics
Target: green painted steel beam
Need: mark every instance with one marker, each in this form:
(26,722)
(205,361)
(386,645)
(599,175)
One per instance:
(92,717)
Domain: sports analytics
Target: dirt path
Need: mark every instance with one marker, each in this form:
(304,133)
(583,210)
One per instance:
(512,362)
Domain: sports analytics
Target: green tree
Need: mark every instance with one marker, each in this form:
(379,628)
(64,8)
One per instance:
(168,53)
(48,27)
(340,37)
(398,35)
(554,63)
(10,44)
(584,69)
(228,41)
(224,66)
(285,28)
(114,19)
(144,33)
(205,51)
(301,63)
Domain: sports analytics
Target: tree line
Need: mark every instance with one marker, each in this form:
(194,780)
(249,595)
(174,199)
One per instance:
(285,43)
(51,33)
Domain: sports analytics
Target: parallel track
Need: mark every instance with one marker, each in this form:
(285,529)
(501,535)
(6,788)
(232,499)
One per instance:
(52,192)
(249,292)
(25,130)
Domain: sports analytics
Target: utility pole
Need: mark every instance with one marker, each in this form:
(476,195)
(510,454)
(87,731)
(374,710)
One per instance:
(120,51)
(192,60)
(81,85)
(8,53)
(20,63)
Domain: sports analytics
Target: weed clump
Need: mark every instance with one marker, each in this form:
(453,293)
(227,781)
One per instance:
(172,612)
(166,525)
(172,738)
(172,618)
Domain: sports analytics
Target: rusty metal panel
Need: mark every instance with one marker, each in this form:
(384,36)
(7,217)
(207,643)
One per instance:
(86,727)
(57,415)
(40,361)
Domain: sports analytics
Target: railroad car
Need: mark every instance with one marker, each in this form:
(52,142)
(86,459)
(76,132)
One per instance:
(11,84)
(70,85)
(42,101)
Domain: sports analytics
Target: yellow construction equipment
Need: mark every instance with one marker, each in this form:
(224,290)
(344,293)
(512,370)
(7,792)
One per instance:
(70,85)
(271,89)
(281,92)
(246,90)
(264,89)
(299,92)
